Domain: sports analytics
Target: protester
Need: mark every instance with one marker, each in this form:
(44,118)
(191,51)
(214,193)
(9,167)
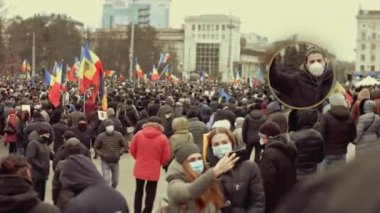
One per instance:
(338,129)
(11,131)
(242,187)
(92,192)
(277,165)
(84,132)
(16,190)
(192,187)
(38,123)
(75,115)
(151,150)
(59,129)
(38,155)
(196,127)
(110,145)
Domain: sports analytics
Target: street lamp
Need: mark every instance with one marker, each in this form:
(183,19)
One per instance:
(33,52)
(131,49)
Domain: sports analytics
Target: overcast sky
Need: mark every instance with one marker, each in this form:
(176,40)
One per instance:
(328,23)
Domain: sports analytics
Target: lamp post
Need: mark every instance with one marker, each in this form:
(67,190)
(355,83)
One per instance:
(131,49)
(34,55)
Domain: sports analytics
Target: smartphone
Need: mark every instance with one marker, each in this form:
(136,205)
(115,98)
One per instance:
(238,152)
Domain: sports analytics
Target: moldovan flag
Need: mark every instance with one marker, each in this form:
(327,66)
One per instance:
(25,67)
(110,73)
(165,58)
(140,73)
(155,75)
(55,94)
(90,71)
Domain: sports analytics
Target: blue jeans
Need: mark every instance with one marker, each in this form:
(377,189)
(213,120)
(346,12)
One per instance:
(110,173)
(333,161)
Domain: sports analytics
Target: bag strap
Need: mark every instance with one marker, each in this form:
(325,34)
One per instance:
(366,128)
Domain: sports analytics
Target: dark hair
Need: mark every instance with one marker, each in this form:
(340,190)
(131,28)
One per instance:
(69,134)
(155,119)
(78,107)
(192,113)
(13,164)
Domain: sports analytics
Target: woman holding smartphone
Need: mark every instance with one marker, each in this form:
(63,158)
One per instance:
(242,187)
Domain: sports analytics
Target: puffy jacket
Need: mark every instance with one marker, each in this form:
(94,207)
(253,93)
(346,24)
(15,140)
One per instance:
(251,125)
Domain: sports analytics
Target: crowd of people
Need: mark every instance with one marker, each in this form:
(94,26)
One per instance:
(223,148)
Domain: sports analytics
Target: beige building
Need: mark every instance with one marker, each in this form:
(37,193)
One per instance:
(368,41)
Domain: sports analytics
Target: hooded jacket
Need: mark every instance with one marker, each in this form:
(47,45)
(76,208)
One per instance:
(38,155)
(38,124)
(278,170)
(167,108)
(181,134)
(197,128)
(251,126)
(150,148)
(93,194)
(17,195)
(182,195)
(368,130)
(338,129)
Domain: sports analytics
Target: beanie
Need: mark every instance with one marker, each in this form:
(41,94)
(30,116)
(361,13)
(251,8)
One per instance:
(43,130)
(110,112)
(222,123)
(337,100)
(108,122)
(69,134)
(179,124)
(369,106)
(72,147)
(184,150)
(269,129)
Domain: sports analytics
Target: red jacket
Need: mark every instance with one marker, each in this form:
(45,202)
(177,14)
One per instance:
(150,148)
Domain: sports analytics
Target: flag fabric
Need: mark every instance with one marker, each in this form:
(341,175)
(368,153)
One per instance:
(47,78)
(155,75)
(104,100)
(223,94)
(165,58)
(55,94)
(25,67)
(175,79)
(90,72)
(139,71)
(73,73)
(165,71)
(110,73)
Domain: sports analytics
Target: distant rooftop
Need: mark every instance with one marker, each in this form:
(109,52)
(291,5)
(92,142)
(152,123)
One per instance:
(212,17)
(368,14)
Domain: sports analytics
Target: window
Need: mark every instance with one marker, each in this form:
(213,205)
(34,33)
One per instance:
(217,27)
(372,68)
(193,27)
(373,46)
(373,35)
(207,57)
(363,35)
(203,27)
(223,27)
(203,36)
(362,57)
(363,47)
(373,58)
(199,27)
(223,36)
(208,27)
(361,67)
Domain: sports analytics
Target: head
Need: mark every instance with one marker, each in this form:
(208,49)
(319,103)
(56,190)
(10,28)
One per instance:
(15,165)
(337,100)
(110,112)
(44,133)
(82,123)
(109,126)
(222,141)
(64,118)
(155,119)
(315,62)
(68,134)
(369,106)
(267,131)
(72,146)
(179,124)
(192,113)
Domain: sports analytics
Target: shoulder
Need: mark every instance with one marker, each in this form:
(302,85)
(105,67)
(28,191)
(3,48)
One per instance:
(44,207)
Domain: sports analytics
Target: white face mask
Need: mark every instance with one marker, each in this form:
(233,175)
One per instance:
(110,129)
(222,149)
(316,69)
(262,141)
(167,116)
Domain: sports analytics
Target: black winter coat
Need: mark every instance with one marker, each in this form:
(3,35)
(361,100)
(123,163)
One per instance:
(38,155)
(117,124)
(37,125)
(278,170)
(86,136)
(251,125)
(17,195)
(338,129)
(300,89)
(309,145)
(59,129)
(243,188)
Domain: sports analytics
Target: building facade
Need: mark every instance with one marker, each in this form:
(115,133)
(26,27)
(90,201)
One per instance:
(142,12)
(212,44)
(368,41)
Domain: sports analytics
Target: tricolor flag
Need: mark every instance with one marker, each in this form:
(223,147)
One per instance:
(110,73)
(165,71)
(165,58)
(25,67)
(90,71)
(139,71)
(175,79)
(155,75)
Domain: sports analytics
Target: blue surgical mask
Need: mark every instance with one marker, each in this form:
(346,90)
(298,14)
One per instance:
(221,150)
(197,166)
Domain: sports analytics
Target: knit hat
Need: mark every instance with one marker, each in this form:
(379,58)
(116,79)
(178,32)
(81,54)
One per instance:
(43,130)
(222,123)
(337,100)
(369,106)
(108,122)
(179,124)
(269,129)
(72,146)
(184,150)
(110,111)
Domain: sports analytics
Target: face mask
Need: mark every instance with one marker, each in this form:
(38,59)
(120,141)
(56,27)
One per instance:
(82,125)
(222,149)
(316,69)
(110,129)
(197,166)
(167,116)
(262,141)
